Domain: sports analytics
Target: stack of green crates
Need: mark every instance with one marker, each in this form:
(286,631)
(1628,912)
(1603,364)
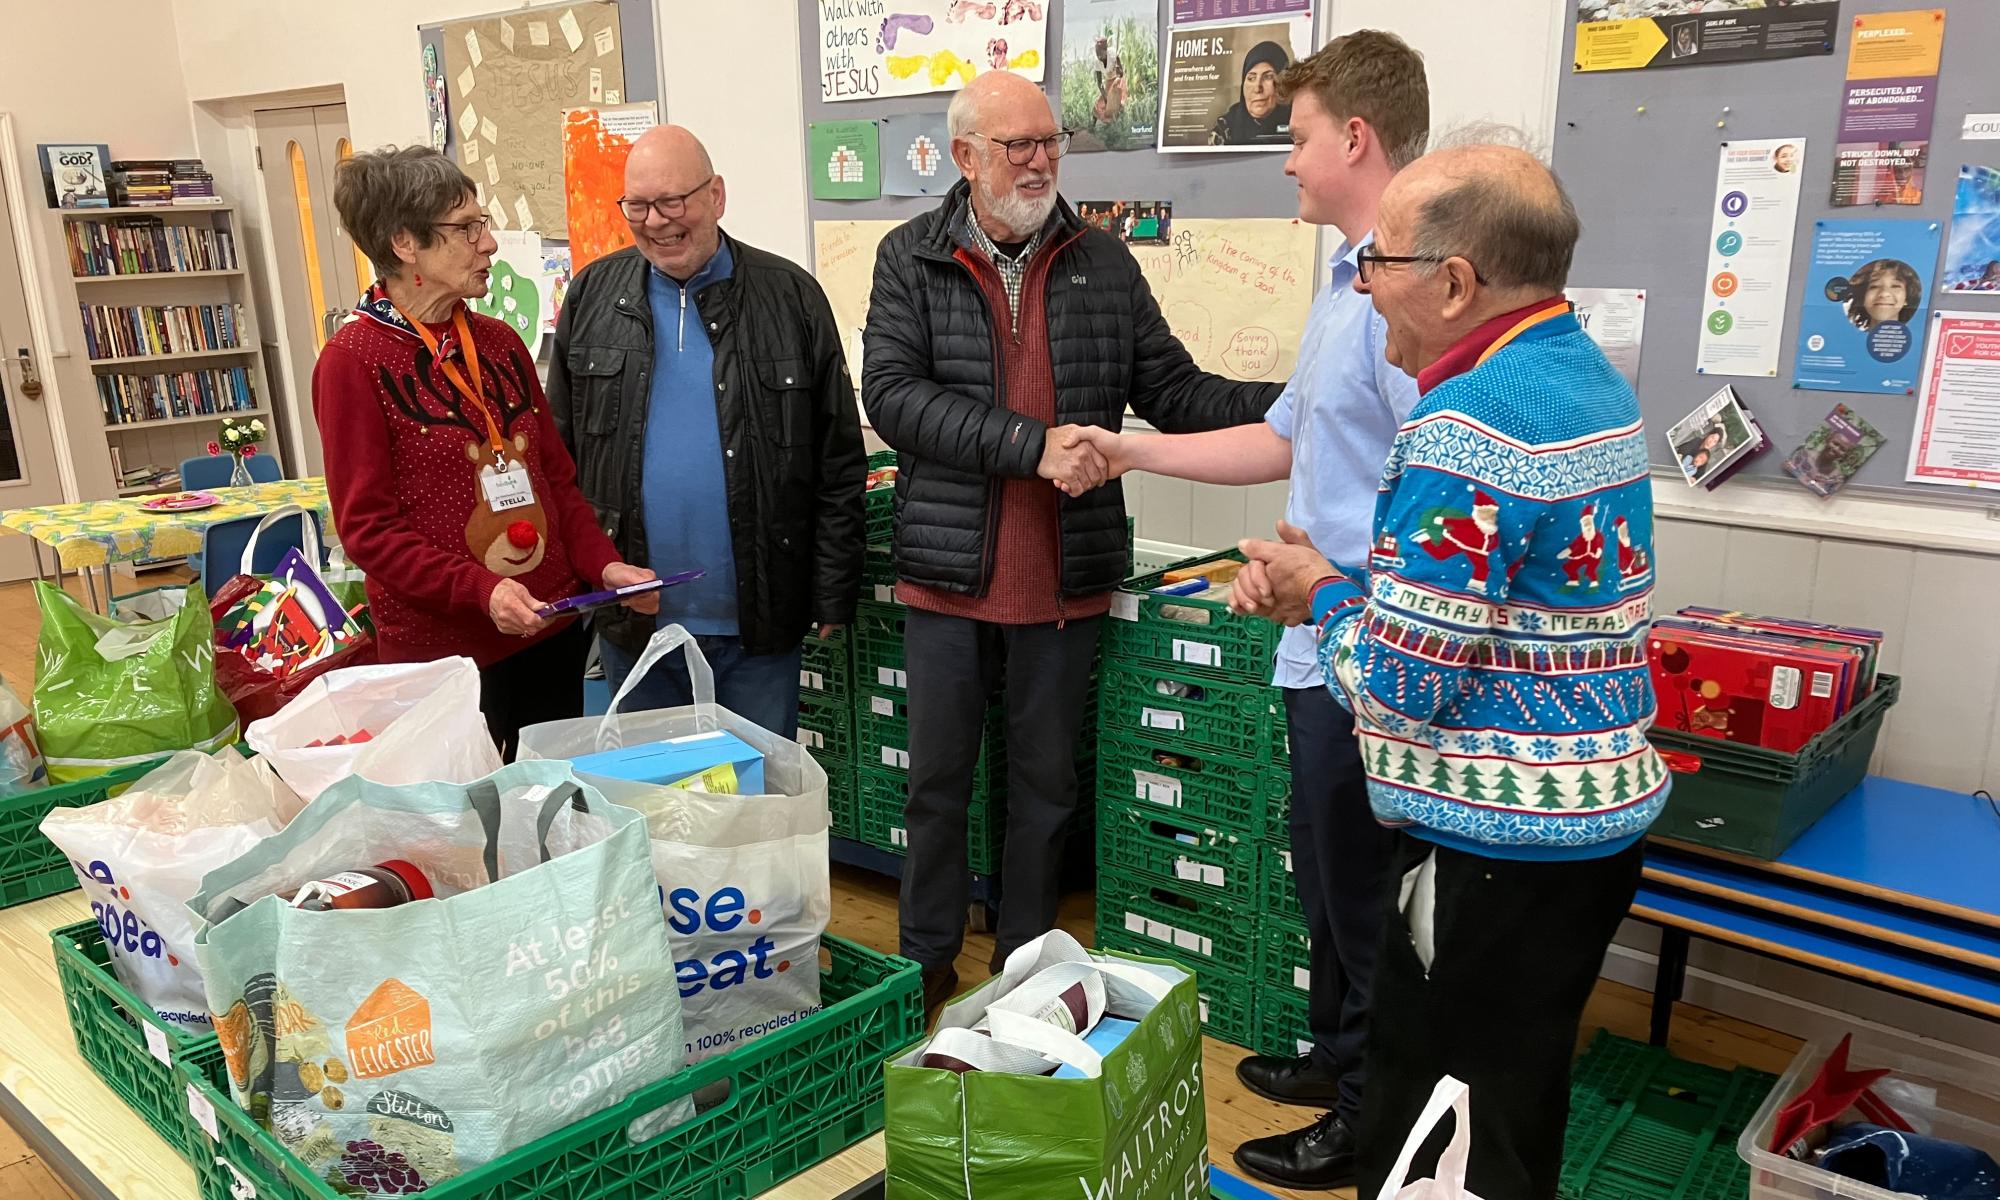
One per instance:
(1194,796)
(826,722)
(1644,1125)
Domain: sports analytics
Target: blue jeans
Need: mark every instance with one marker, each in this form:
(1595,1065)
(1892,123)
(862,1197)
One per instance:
(761,688)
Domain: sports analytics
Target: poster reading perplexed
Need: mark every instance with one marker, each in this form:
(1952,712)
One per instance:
(1623,35)
(871,48)
(1750,256)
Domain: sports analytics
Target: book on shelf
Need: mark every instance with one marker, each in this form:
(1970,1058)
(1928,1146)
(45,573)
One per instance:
(136,399)
(133,330)
(192,184)
(142,182)
(146,246)
(76,176)
(148,476)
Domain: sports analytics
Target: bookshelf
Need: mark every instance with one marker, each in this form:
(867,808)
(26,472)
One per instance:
(167,321)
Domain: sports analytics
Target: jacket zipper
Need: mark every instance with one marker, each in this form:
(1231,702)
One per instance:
(681,324)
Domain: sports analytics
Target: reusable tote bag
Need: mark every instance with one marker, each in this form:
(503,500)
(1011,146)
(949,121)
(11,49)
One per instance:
(744,877)
(111,693)
(1135,1130)
(1450,1096)
(392,1049)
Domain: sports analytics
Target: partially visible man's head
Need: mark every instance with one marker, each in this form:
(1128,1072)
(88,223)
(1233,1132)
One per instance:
(678,199)
(1491,230)
(1010,198)
(1362,99)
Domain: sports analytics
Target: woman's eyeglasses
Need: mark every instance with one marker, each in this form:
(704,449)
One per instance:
(668,207)
(1021,151)
(472,231)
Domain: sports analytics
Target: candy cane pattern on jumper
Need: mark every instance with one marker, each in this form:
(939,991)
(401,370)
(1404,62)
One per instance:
(1543,688)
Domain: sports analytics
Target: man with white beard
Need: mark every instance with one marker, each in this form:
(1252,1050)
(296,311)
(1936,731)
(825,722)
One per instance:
(999,325)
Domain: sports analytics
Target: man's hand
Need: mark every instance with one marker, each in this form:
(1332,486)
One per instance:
(622,574)
(1278,578)
(828,629)
(1071,461)
(1115,448)
(513,609)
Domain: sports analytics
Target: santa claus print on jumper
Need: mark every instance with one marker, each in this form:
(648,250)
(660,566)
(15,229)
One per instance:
(1494,651)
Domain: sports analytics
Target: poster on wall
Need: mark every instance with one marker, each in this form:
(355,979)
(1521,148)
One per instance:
(1861,319)
(916,155)
(1221,92)
(844,160)
(517,289)
(1885,110)
(1957,439)
(434,97)
(873,48)
(509,80)
(595,144)
(1111,74)
(844,265)
(1615,318)
(1622,35)
(1750,256)
(1972,255)
(1195,12)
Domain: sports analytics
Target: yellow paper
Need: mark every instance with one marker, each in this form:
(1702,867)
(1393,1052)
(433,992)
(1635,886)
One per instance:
(1618,45)
(488,130)
(507,35)
(472,47)
(526,214)
(1895,45)
(538,33)
(718,780)
(844,264)
(472,152)
(468,121)
(466,79)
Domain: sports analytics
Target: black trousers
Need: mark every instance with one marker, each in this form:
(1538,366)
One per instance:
(1516,949)
(1341,866)
(543,682)
(954,666)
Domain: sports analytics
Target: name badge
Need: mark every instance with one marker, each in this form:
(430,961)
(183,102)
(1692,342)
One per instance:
(508,489)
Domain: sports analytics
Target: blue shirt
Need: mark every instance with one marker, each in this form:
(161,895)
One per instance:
(682,493)
(1340,412)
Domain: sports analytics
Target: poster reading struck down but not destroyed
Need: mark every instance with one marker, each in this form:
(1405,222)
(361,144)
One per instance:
(1861,320)
(872,48)
(1886,108)
(1111,74)
(1621,35)
(519,95)
(1750,256)
(1221,87)
(1957,439)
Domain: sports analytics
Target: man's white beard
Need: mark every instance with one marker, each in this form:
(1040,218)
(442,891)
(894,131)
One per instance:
(1022,216)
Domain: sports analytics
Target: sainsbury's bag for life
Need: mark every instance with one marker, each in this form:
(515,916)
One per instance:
(742,871)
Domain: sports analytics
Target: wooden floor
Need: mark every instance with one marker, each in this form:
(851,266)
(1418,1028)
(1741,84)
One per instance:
(864,910)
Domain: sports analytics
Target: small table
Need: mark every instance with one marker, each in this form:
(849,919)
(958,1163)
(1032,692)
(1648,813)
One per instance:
(98,533)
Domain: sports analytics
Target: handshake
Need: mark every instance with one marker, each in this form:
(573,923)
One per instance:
(1077,458)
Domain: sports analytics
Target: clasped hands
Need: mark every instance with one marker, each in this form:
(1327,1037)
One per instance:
(1277,578)
(1077,458)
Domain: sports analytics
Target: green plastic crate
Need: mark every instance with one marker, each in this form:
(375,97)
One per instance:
(1645,1125)
(880,797)
(826,726)
(880,502)
(878,646)
(1232,794)
(796,1097)
(878,575)
(1183,710)
(826,666)
(1755,801)
(1136,838)
(129,1048)
(1204,931)
(1183,633)
(842,801)
(1282,1024)
(1278,889)
(1287,954)
(882,738)
(30,865)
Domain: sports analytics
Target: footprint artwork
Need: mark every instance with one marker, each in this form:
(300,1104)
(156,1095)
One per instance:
(961,9)
(917,23)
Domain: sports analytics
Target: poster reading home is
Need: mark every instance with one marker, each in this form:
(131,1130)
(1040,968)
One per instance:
(1622,35)
(1221,90)
(1861,320)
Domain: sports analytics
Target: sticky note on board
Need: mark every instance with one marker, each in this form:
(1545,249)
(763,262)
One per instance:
(468,120)
(471,151)
(507,35)
(472,48)
(572,32)
(613,96)
(596,85)
(498,212)
(492,169)
(465,81)
(606,40)
(488,130)
(479,193)
(526,214)
(538,33)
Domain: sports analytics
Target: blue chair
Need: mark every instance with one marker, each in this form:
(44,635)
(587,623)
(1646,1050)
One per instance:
(222,547)
(213,471)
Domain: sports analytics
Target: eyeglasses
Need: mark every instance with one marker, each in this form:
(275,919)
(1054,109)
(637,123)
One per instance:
(668,207)
(472,231)
(1021,151)
(1367,257)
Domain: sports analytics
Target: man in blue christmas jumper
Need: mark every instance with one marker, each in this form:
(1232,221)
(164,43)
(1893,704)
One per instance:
(1494,659)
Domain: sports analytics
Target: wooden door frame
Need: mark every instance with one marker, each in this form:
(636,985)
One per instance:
(34,289)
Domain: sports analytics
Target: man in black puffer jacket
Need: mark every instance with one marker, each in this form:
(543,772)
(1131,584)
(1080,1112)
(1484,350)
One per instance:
(999,324)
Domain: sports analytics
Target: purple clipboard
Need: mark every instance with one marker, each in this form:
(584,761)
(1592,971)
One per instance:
(610,596)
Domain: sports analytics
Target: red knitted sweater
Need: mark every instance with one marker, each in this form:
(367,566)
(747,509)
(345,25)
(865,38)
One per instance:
(404,453)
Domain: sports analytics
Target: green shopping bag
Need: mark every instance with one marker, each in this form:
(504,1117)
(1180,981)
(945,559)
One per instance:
(110,692)
(1137,1131)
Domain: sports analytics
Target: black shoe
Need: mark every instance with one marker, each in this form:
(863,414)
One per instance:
(997,963)
(1288,1080)
(940,983)
(1317,1157)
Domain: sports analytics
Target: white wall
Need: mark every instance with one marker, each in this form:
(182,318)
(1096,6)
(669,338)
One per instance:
(1491,61)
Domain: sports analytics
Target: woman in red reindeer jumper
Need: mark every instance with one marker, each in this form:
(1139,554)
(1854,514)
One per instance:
(450,487)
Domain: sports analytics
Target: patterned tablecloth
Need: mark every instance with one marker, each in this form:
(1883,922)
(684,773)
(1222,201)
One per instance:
(98,532)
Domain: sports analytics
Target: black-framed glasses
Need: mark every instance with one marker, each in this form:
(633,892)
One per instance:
(1021,151)
(668,207)
(472,231)
(1366,258)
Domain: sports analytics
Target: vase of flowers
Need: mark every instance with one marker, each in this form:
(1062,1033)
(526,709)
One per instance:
(239,440)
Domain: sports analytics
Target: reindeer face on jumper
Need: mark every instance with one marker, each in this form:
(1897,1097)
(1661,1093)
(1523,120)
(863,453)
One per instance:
(511,542)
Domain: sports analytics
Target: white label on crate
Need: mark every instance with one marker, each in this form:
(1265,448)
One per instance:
(1160,718)
(1822,684)
(885,593)
(156,1043)
(1201,654)
(813,680)
(1204,1008)
(1302,979)
(239,1187)
(1125,606)
(890,677)
(898,837)
(1785,687)
(1305,1048)
(1207,947)
(882,706)
(1288,860)
(1212,874)
(1134,923)
(203,1113)
(1157,788)
(812,738)
(1184,869)
(1159,931)
(1187,939)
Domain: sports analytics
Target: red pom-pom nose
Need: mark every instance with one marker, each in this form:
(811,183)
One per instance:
(522,534)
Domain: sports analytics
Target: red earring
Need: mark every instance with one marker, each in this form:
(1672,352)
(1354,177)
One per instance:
(420,279)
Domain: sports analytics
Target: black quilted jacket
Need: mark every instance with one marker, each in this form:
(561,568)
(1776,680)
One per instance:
(928,383)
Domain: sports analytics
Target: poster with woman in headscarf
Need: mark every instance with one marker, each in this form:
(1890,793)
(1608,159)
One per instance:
(1221,91)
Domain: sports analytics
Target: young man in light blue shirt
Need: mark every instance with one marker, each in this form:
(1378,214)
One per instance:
(1360,112)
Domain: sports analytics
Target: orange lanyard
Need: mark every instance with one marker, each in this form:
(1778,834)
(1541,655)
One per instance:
(473,392)
(1554,310)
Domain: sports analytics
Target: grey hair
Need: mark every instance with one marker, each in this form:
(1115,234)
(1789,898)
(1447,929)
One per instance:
(1517,233)
(1489,133)
(381,193)
(958,116)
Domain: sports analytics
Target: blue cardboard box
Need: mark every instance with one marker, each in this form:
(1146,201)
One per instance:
(679,761)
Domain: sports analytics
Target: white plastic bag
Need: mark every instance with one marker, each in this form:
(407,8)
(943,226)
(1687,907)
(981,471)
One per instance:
(140,857)
(744,877)
(21,765)
(422,720)
(1450,1096)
